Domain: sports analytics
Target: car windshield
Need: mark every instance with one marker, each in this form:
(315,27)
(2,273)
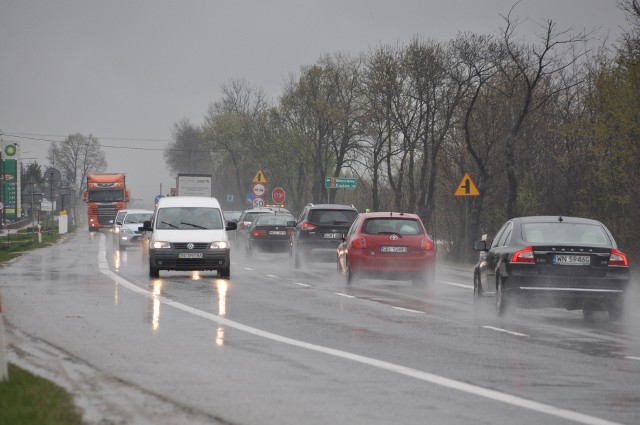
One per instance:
(114,195)
(273,220)
(185,218)
(565,233)
(137,217)
(381,226)
(332,217)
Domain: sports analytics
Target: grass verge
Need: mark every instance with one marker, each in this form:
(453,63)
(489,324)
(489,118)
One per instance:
(27,399)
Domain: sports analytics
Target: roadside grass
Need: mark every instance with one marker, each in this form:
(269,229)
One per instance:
(26,399)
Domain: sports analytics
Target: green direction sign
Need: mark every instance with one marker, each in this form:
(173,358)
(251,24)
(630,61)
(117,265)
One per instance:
(340,182)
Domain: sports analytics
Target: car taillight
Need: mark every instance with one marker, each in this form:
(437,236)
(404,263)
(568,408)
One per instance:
(259,232)
(426,244)
(524,256)
(617,258)
(308,226)
(359,243)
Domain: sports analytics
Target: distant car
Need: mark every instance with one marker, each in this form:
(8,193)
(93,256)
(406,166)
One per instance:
(388,245)
(269,232)
(129,234)
(117,222)
(245,219)
(548,261)
(318,232)
(232,215)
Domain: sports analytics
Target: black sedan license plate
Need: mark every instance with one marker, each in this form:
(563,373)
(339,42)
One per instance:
(333,235)
(580,260)
(278,232)
(397,249)
(190,255)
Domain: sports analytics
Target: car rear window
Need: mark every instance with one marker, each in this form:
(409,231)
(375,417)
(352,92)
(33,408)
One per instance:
(332,217)
(273,220)
(565,233)
(250,216)
(378,226)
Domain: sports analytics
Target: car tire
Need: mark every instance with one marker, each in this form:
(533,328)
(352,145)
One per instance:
(154,271)
(477,288)
(224,273)
(502,299)
(615,311)
(351,276)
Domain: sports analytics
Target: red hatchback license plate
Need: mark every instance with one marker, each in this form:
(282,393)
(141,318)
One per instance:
(579,260)
(395,249)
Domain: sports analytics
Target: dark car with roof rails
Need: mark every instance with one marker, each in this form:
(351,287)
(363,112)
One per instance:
(319,230)
(551,261)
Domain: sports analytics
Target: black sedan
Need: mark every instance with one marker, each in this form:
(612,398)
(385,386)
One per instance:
(563,262)
(269,232)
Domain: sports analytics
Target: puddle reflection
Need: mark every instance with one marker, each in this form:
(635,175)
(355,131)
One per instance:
(222,286)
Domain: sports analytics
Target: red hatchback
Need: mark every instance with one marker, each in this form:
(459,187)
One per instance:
(388,245)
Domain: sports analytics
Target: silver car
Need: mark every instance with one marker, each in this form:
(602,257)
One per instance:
(129,235)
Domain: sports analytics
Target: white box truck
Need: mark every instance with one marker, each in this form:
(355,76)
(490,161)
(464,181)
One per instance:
(194,185)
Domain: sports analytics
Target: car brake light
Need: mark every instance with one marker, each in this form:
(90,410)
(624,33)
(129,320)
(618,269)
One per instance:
(617,258)
(307,226)
(426,244)
(259,232)
(359,243)
(524,256)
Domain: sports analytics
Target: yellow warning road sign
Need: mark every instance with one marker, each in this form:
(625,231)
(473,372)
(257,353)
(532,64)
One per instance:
(466,187)
(259,177)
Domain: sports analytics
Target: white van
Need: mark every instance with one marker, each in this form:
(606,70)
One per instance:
(188,233)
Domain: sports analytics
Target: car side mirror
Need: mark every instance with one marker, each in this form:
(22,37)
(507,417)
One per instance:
(146,226)
(231,225)
(480,245)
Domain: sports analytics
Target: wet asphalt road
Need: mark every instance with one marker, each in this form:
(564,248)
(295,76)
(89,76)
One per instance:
(276,346)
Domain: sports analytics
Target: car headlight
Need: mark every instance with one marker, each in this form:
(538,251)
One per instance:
(161,245)
(219,245)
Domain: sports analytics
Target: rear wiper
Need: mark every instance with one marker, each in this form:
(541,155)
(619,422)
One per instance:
(390,233)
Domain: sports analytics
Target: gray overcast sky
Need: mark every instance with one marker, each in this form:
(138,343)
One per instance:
(128,70)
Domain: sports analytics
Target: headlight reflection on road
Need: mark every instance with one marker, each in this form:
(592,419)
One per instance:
(222,286)
(157,293)
(116,260)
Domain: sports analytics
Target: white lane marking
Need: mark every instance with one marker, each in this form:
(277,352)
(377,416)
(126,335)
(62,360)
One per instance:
(304,285)
(504,331)
(343,295)
(248,268)
(408,310)
(380,364)
(271,275)
(632,358)
(459,285)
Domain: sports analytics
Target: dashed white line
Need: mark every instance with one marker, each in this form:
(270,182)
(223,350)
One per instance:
(504,331)
(271,275)
(431,378)
(304,285)
(632,358)
(407,310)
(459,285)
(343,295)
(248,268)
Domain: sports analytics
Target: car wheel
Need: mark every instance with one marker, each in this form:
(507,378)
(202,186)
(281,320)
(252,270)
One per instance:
(615,311)
(225,273)
(587,313)
(477,288)
(153,271)
(352,277)
(502,301)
